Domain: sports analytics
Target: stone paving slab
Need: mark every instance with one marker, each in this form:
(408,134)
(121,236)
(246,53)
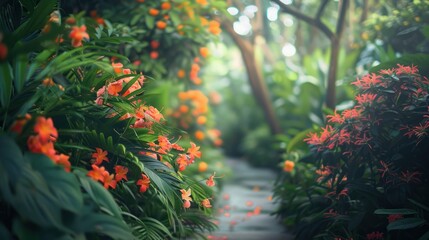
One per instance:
(245,206)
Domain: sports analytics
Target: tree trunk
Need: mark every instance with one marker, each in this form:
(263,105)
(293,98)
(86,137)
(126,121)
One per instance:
(256,80)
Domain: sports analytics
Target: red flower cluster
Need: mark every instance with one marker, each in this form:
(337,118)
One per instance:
(99,173)
(43,141)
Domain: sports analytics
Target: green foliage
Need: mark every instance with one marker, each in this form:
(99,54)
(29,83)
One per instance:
(64,74)
(369,157)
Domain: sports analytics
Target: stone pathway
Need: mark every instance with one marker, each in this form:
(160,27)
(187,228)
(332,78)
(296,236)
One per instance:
(245,206)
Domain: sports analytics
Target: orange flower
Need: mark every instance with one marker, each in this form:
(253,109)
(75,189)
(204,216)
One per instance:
(36,145)
(202,2)
(210,182)
(48,82)
(161,25)
(201,120)
(193,151)
(140,1)
(153,12)
(181,73)
(63,160)
(77,35)
(99,156)
(71,20)
(206,203)
(44,127)
(97,173)
(109,180)
(214,27)
(121,173)
(153,113)
(204,52)
(202,167)
(154,55)
(187,204)
(114,88)
(288,166)
(144,183)
(186,194)
(183,108)
(18,124)
(165,6)
(182,161)
(199,135)
(117,67)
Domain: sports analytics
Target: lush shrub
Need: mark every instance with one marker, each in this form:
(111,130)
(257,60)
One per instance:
(83,153)
(372,175)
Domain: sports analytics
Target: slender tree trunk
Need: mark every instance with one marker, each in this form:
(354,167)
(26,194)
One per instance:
(256,80)
(332,74)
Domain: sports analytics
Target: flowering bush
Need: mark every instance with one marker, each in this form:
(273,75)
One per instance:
(372,174)
(83,153)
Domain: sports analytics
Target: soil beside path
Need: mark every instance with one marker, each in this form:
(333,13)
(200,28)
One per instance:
(245,205)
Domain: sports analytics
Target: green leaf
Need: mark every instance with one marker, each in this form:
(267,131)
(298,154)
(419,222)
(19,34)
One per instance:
(424,236)
(297,142)
(99,194)
(36,20)
(103,224)
(421,60)
(5,83)
(403,211)
(174,18)
(64,186)
(150,21)
(405,223)
(20,72)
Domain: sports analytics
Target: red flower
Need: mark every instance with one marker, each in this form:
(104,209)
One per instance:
(63,160)
(375,235)
(144,183)
(194,152)
(77,35)
(97,173)
(100,156)
(393,217)
(336,118)
(121,173)
(210,182)
(367,81)
(36,145)
(109,180)
(44,127)
(182,161)
(406,69)
(366,98)
(351,113)
(206,203)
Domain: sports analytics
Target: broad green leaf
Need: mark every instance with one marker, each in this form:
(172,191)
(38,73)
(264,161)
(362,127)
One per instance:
(103,224)
(150,21)
(64,186)
(5,83)
(405,223)
(403,211)
(100,195)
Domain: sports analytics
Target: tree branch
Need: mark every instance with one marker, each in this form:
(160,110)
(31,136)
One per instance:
(341,21)
(312,21)
(321,9)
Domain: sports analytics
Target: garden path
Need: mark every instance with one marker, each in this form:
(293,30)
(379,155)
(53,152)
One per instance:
(245,205)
